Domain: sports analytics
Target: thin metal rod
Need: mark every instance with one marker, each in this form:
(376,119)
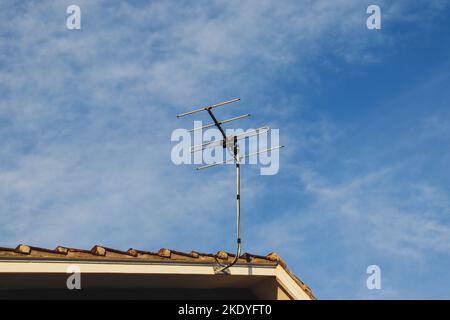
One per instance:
(238,206)
(265,128)
(208,108)
(243,157)
(214,143)
(219,123)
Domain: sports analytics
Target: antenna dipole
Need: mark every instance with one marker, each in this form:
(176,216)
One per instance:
(236,158)
(208,108)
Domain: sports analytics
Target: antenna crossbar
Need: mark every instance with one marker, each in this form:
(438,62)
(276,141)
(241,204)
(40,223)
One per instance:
(219,123)
(215,143)
(208,108)
(240,158)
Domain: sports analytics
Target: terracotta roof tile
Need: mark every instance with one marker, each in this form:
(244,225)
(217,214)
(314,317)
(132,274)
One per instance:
(62,249)
(138,252)
(163,252)
(97,252)
(132,252)
(222,255)
(21,248)
(195,254)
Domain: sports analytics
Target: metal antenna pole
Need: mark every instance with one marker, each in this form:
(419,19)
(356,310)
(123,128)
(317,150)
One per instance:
(238,199)
(237,160)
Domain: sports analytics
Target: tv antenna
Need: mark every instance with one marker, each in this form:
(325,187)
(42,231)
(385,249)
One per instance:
(230,143)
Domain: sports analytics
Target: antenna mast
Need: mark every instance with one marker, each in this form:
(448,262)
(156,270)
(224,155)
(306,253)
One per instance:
(231,143)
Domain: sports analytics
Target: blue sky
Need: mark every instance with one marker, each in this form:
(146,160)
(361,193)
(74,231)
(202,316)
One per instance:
(86,117)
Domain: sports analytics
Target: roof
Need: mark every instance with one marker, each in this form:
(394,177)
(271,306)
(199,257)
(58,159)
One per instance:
(100,253)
